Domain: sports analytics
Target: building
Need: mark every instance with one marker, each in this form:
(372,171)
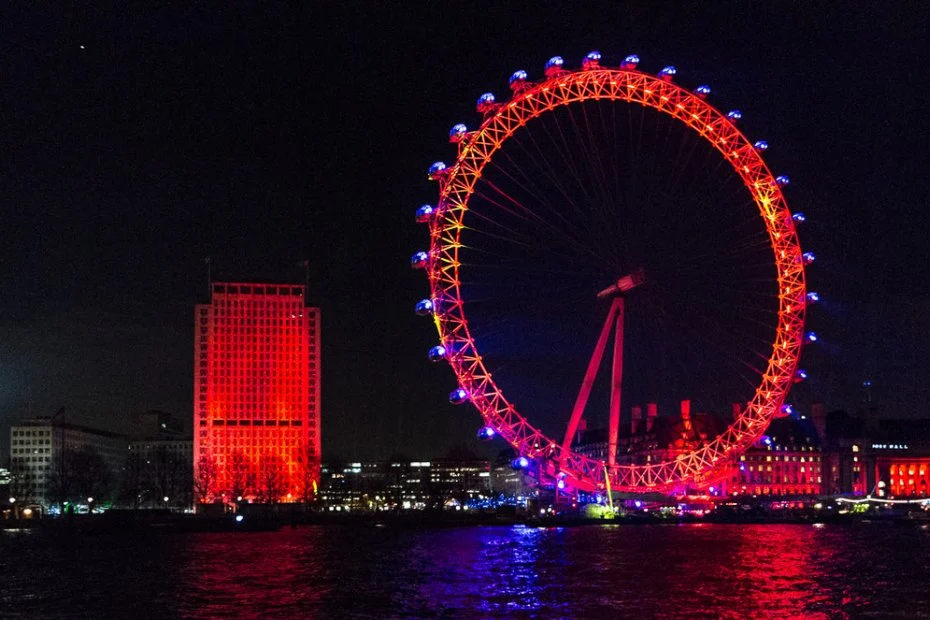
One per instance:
(407,485)
(159,465)
(798,456)
(256,394)
(786,461)
(53,461)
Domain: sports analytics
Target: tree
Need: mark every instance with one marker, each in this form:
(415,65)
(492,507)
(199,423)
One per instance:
(79,474)
(239,475)
(204,479)
(134,481)
(308,472)
(272,478)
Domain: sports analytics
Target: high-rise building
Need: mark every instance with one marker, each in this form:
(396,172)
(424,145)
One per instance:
(256,395)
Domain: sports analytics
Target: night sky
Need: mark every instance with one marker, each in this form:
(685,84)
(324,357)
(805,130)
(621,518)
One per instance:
(137,143)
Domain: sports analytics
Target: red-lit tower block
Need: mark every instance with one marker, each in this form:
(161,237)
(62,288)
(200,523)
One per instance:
(256,394)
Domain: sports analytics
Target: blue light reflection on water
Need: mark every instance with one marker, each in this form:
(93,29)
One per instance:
(730,571)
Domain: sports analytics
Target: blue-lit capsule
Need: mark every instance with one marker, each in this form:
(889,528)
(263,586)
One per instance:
(800,375)
(808,258)
(518,79)
(782,180)
(813,297)
(424,307)
(591,61)
(761,145)
(810,337)
(521,462)
(734,115)
(457,132)
(702,90)
(561,484)
(554,65)
(767,440)
(425,213)
(485,102)
(437,353)
(787,409)
(668,73)
(436,170)
(419,260)
(630,62)
(798,218)
(458,396)
(486,432)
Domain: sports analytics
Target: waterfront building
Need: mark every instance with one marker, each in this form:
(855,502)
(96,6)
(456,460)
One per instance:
(159,463)
(407,485)
(54,461)
(798,456)
(256,394)
(785,462)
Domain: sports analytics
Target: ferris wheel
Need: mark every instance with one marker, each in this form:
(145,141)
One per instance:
(607,204)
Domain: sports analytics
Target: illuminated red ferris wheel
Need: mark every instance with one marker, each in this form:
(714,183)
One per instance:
(611,216)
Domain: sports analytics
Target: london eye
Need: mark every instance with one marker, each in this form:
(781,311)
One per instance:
(600,214)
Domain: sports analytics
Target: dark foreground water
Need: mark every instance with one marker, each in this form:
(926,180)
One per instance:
(690,571)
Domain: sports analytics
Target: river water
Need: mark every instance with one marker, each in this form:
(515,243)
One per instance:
(653,571)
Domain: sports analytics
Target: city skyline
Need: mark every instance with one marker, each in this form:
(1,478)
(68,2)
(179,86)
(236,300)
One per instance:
(147,143)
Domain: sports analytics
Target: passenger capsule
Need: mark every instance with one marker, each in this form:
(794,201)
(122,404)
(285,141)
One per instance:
(521,462)
(437,353)
(810,337)
(813,297)
(554,65)
(782,180)
(808,257)
(486,433)
(702,91)
(419,260)
(458,396)
(424,307)
(761,145)
(424,213)
(436,170)
(591,61)
(787,409)
(485,102)
(561,484)
(668,73)
(800,375)
(798,218)
(734,115)
(630,62)
(517,79)
(457,133)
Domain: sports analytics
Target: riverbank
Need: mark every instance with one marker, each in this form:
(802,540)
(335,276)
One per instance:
(154,522)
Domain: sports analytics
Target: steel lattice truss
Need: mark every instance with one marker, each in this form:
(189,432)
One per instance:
(457,182)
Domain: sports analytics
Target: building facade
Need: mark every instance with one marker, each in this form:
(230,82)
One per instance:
(53,461)
(407,485)
(159,466)
(256,394)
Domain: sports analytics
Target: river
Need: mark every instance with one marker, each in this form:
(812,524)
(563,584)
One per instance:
(877,570)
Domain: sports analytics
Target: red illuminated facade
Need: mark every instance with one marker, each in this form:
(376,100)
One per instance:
(256,395)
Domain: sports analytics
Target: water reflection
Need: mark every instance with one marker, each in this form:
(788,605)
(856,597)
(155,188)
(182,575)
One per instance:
(730,571)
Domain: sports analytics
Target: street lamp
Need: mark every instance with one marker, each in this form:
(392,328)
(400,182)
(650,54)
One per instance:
(165,499)
(90,505)
(13,506)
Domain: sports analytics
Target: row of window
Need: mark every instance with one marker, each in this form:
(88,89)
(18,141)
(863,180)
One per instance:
(32,433)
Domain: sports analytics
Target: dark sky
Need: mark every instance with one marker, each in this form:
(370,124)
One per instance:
(137,142)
